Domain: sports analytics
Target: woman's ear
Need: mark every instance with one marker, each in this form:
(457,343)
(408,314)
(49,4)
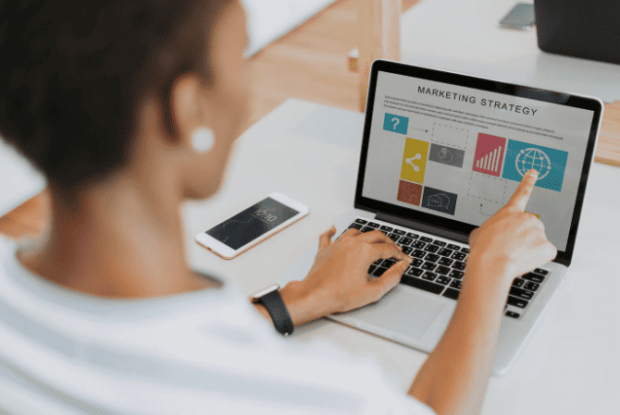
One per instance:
(187,108)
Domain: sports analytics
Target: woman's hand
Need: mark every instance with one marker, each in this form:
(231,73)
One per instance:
(339,281)
(512,242)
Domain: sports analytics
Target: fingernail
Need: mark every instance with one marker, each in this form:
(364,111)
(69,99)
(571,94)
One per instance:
(534,173)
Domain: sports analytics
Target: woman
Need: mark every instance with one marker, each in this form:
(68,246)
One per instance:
(103,315)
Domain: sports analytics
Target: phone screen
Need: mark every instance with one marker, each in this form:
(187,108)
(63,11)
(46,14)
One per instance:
(252,223)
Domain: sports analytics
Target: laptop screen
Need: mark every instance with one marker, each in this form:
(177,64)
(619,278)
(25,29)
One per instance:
(457,152)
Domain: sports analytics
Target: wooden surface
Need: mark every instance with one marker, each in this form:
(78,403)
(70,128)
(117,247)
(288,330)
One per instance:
(608,149)
(379,38)
(309,63)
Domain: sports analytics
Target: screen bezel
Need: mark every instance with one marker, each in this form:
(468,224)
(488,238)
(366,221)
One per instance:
(226,252)
(376,206)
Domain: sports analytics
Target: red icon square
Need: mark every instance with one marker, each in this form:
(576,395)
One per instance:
(489,156)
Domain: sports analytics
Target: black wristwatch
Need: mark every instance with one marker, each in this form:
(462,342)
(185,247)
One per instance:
(270,298)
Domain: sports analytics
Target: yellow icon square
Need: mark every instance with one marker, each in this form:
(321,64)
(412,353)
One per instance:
(414,160)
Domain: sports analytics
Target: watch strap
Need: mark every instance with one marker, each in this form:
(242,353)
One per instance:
(277,310)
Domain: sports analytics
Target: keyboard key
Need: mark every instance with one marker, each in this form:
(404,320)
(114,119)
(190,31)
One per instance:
(429,266)
(541,271)
(518,282)
(373,225)
(429,276)
(517,302)
(459,256)
(414,272)
(532,286)
(379,271)
(442,270)
(407,250)
(533,277)
(465,250)
(412,235)
(513,314)
(388,263)
(372,269)
(417,262)
(361,221)
(439,243)
(432,257)
(456,274)
(451,293)
(394,237)
(386,228)
(399,232)
(431,248)
(356,226)
(418,245)
(521,293)
(367,229)
(446,261)
(377,262)
(454,247)
(445,252)
(421,284)
(442,280)
(418,253)
(459,265)
(456,284)
(405,241)
(426,239)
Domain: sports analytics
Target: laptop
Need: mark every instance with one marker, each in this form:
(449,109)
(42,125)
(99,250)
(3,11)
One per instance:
(583,29)
(442,152)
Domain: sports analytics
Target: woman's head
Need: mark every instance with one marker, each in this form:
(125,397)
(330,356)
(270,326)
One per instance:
(87,87)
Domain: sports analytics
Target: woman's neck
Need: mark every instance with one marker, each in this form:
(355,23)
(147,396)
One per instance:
(124,238)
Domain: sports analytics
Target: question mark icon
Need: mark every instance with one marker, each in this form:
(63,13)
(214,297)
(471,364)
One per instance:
(396,121)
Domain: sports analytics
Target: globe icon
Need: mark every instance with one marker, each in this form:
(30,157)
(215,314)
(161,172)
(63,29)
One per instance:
(533,158)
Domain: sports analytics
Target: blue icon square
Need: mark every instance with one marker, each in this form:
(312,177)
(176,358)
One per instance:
(550,163)
(395,123)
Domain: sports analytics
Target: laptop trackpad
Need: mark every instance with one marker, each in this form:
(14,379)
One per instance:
(403,311)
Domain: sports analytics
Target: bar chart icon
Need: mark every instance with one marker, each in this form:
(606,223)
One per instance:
(489,156)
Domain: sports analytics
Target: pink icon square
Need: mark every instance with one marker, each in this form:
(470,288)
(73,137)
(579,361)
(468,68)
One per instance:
(489,156)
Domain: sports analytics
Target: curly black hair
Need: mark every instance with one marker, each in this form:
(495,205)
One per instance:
(73,75)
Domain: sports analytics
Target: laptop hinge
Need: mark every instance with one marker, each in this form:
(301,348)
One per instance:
(433,230)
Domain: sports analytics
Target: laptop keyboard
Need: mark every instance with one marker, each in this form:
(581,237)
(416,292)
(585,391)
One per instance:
(438,266)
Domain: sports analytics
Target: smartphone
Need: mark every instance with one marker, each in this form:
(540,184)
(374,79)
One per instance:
(521,17)
(251,226)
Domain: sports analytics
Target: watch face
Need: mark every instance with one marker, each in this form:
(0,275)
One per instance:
(264,292)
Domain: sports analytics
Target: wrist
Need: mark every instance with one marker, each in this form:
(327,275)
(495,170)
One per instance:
(301,305)
(489,273)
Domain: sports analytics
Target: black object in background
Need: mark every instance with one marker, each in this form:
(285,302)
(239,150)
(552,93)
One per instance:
(521,17)
(587,29)
(252,223)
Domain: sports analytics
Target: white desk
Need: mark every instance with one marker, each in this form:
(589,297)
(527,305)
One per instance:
(311,153)
(464,36)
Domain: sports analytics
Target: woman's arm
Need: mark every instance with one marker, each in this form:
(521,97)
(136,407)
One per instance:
(338,280)
(454,378)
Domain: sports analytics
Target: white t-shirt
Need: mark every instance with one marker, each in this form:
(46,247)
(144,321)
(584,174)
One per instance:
(203,352)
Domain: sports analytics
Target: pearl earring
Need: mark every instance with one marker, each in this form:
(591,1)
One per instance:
(203,140)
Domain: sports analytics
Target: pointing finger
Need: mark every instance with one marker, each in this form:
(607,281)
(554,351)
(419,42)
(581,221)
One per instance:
(522,194)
